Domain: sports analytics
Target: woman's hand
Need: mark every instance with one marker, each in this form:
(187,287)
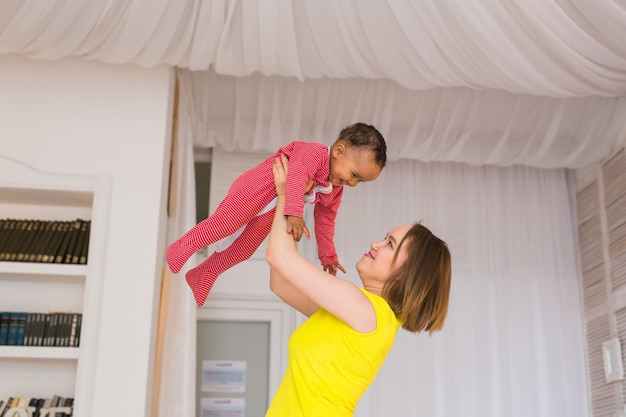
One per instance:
(280,174)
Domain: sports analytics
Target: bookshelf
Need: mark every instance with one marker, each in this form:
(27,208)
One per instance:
(44,371)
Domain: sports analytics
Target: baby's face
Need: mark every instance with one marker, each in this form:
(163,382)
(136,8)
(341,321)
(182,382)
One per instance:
(350,166)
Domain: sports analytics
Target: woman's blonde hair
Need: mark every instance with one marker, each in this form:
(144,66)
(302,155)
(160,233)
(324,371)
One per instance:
(418,291)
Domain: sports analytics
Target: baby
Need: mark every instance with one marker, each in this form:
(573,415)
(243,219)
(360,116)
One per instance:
(316,175)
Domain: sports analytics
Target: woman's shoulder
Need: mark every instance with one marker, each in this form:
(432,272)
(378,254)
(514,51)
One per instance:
(381,306)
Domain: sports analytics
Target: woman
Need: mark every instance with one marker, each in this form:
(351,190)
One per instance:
(335,355)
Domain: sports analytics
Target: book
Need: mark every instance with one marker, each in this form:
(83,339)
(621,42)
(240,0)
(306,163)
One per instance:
(84,250)
(14,323)
(54,326)
(21,327)
(43,240)
(38,407)
(5,317)
(76,252)
(17,239)
(5,233)
(56,406)
(79,322)
(63,333)
(34,329)
(8,229)
(33,406)
(12,240)
(40,328)
(47,330)
(36,242)
(73,324)
(47,403)
(56,236)
(65,241)
(28,329)
(69,403)
(27,240)
(6,407)
(74,231)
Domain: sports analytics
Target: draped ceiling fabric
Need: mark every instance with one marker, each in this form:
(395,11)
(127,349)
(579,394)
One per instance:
(530,82)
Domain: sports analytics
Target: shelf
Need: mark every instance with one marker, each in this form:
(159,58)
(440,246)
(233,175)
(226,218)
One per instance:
(27,193)
(33,268)
(46,197)
(38,352)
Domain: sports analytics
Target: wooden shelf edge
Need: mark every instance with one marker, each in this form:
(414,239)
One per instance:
(38,352)
(43,268)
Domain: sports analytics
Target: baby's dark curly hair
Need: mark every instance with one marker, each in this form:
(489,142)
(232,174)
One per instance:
(362,135)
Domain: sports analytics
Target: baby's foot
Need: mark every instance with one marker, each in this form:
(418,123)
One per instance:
(201,281)
(176,256)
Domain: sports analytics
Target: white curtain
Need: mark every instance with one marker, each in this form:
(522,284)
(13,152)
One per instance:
(259,113)
(562,48)
(513,343)
(178,368)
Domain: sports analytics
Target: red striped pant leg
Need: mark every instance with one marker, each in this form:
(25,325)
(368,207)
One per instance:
(202,277)
(233,212)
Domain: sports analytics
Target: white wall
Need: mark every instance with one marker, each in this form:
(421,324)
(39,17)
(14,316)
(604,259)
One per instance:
(80,117)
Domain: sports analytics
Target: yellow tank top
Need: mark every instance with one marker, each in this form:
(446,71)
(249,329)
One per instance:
(330,365)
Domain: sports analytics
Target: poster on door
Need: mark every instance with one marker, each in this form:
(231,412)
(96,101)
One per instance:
(223,376)
(222,407)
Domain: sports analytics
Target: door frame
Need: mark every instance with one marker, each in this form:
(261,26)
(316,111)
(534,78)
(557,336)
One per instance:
(281,319)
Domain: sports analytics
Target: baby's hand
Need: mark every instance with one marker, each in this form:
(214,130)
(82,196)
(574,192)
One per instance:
(296,227)
(332,269)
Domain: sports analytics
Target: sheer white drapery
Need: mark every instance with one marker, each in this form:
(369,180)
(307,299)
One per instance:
(259,113)
(564,48)
(513,343)
(177,394)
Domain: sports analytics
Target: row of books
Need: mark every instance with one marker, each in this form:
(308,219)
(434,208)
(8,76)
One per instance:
(55,406)
(40,329)
(48,241)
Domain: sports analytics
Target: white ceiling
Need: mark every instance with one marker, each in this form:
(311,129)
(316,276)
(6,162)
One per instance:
(559,66)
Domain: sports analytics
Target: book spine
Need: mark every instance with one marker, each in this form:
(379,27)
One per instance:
(14,322)
(73,239)
(84,250)
(79,325)
(43,241)
(35,245)
(21,234)
(65,241)
(5,317)
(31,329)
(27,241)
(7,233)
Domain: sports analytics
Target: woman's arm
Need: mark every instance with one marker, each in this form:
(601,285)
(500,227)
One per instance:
(290,294)
(305,286)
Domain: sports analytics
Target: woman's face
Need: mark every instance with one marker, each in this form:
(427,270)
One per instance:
(377,263)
